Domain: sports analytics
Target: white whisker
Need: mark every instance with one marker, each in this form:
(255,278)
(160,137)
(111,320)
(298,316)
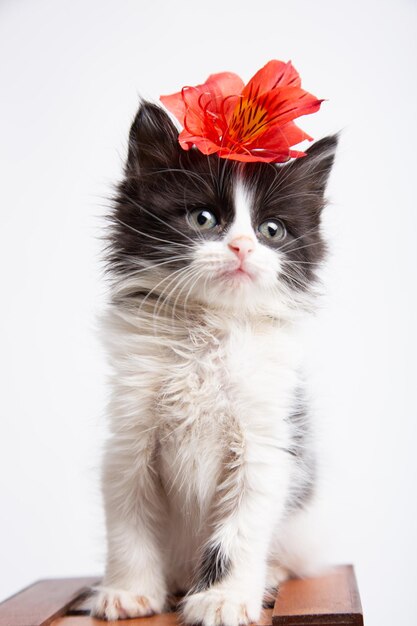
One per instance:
(156,217)
(140,232)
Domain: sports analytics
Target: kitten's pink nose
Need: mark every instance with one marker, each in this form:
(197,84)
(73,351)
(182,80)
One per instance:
(241,246)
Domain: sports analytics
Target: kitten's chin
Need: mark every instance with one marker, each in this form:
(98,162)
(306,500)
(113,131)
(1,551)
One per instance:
(236,290)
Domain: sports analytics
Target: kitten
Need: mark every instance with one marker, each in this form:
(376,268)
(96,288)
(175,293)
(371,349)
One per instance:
(209,471)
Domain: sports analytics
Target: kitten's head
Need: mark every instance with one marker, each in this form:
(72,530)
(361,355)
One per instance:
(240,236)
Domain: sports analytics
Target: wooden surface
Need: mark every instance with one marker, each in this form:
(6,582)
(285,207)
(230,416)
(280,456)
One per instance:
(166,619)
(40,603)
(331,600)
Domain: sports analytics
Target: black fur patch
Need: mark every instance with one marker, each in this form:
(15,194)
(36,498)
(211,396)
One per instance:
(302,449)
(213,569)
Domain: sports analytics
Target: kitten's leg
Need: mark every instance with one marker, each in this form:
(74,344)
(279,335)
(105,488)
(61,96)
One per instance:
(301,545)
(275,575)
(298,549)
(134,582)
(250,499)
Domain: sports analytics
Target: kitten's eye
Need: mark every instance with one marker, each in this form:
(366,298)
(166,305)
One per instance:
(203,219)
(273,230)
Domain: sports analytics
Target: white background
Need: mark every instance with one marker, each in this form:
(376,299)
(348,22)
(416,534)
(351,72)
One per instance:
(70,77)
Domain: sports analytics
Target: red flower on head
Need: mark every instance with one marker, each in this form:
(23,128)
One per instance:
(252,122)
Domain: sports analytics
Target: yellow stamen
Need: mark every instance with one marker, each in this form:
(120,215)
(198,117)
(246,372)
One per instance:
(248,121)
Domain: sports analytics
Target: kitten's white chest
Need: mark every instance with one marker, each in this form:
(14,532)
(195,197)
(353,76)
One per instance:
(195,402)
(241,378)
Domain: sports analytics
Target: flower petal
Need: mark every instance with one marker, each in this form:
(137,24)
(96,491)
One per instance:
(270,76)
(281,135)
(227,83)
(217,87)
(203,120)
(284,104)
(206,146)
(175,104)
(263,156)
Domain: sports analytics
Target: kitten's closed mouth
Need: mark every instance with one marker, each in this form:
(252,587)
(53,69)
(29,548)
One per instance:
(236,273)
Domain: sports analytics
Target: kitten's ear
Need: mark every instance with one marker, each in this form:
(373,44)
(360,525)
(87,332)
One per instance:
(153,139)
(314,169)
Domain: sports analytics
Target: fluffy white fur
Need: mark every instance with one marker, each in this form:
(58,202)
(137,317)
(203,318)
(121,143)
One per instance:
(205,378)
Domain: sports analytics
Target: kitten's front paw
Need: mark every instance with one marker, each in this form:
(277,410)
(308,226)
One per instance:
(112,604)
(220,607)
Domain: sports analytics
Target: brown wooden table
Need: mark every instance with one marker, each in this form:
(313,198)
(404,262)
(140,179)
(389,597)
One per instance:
(332,600)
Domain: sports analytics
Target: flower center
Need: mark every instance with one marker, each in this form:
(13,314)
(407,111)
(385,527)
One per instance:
(248,121)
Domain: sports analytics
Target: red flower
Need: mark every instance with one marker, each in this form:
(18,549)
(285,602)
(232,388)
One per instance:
(245,123)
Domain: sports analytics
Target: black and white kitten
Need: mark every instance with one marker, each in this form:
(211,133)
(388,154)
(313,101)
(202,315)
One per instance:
(209,472)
